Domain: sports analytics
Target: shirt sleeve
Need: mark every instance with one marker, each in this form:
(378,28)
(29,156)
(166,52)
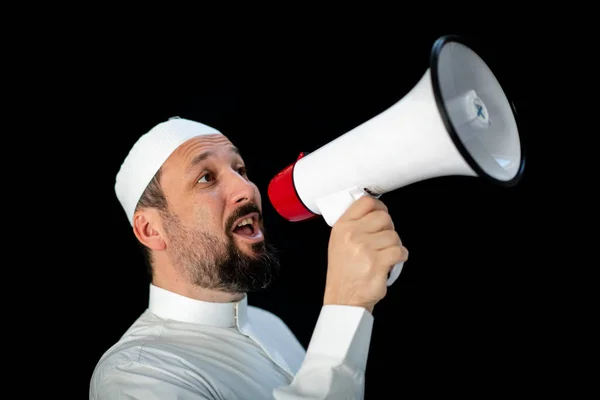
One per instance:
(336,357)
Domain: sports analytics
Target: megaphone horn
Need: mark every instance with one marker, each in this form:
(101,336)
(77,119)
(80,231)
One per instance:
(456,120)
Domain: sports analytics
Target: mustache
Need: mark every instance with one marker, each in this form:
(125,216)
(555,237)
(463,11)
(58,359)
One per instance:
(240,212)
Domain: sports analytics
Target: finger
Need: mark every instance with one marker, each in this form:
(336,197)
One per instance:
(376,221)
(391,256)
(384,239)
(362,207)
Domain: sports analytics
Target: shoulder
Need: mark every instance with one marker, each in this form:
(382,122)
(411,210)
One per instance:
(145,363)
(123,373)
(129,347)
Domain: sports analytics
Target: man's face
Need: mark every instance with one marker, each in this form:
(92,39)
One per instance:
(214,227)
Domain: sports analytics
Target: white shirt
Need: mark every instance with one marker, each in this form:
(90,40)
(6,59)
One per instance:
(181,348)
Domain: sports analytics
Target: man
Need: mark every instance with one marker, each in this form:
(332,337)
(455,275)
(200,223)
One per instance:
(190,203)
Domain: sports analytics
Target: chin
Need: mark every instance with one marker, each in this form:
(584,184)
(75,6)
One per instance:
(254,250)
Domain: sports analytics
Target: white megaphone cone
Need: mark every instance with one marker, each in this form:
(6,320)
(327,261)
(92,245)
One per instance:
(456,120)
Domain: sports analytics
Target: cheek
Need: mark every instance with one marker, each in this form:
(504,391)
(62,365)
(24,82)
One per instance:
(207,213)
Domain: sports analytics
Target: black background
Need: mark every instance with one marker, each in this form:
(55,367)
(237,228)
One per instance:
(470,312)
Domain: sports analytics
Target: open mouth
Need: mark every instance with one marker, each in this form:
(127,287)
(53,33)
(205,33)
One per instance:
(248,227)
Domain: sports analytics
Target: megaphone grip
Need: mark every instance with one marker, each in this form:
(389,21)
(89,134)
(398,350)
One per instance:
(395,273)
(333,206)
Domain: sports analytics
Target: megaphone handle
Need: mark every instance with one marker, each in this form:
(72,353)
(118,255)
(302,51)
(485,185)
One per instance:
(395,273)
(333,206)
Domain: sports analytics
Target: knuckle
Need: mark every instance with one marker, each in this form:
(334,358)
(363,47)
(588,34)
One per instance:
(370,201)
(381,217)
(374,203)
(350,237)
(392,238)
(398,253)
(387,218)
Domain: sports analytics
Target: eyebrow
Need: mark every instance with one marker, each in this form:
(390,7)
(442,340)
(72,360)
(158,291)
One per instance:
(207,154)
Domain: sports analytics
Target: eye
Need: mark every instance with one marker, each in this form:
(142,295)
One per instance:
(206,177)
(242,171)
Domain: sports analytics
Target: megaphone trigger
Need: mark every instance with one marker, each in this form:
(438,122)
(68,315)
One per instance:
(332,206)
(335,204)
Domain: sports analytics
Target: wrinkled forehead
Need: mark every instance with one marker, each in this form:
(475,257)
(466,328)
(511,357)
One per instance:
(198,149)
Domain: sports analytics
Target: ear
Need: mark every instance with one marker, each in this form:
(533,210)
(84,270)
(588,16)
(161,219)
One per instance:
(147,229)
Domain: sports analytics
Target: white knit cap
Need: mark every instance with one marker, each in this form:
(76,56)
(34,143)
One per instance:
(149,153)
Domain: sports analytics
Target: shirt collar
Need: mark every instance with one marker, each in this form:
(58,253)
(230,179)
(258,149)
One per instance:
(170,305)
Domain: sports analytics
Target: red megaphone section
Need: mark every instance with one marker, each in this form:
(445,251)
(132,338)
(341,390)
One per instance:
(284,197)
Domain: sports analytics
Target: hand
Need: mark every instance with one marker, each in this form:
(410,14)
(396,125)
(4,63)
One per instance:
(363,248)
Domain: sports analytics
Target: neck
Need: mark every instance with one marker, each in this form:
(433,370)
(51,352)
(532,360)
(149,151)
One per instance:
(195,292)
(168,279)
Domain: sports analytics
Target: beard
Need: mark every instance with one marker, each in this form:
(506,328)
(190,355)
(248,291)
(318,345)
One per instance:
(213,262)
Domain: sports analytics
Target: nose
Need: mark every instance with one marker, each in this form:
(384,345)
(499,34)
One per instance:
(242,190)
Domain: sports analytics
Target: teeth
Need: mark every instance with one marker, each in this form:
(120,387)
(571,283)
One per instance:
(247,221)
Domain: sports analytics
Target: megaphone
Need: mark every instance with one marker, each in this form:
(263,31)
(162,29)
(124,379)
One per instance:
(456,120)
